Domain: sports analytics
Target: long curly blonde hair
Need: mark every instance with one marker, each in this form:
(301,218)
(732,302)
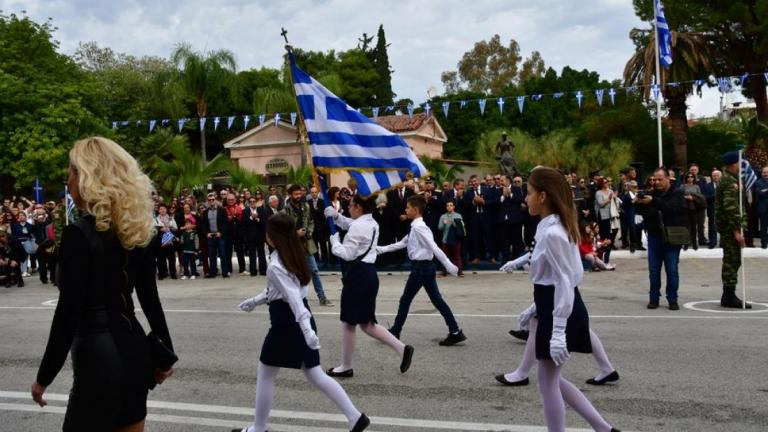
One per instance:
(115,190)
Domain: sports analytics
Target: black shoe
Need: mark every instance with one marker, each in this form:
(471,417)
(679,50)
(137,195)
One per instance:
(210,276)
(640,248)
(349,373)
(45,281)
(407,357)
(674,306)
(653,304)
(731,302)
(362,423)
(712,246)
(396,334)
(225,276)
(613,376)
(453,338)
(615,430)
(520,334)
(522,382)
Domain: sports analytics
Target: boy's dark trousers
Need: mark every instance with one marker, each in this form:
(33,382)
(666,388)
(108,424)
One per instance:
(422,275)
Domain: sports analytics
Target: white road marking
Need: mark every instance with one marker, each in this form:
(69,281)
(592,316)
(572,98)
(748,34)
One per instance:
(692,306)
(300,415)
(730,314)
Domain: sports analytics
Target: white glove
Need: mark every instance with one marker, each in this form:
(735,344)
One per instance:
(310,337)
(525,316)
(452,270)
(249,304)
(335,238)
(521,263)
(558,349)
(330,212)
(509,267)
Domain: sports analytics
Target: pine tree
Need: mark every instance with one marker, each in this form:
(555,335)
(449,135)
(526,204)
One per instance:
(384,94)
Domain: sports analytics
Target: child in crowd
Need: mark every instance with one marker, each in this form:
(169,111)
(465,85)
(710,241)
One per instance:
(189,247)
(589,247)
(291,341)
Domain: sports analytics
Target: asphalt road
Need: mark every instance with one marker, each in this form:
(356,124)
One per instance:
(697,369)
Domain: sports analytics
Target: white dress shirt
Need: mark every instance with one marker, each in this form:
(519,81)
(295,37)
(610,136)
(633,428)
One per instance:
(358,238)
(284,285)
(420,243)
(555,260)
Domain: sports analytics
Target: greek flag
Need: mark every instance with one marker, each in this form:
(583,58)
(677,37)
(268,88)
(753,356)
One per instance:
(748,176)
(664,36)
(343,139)
(166,238)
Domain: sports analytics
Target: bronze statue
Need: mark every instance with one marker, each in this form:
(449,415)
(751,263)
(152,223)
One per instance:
(505,152)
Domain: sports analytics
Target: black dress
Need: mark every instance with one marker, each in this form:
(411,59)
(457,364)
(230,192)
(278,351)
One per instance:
(577,328)
(360,286)
(95,319)
(284,345)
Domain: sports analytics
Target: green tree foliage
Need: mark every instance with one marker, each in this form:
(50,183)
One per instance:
(46,102)
(383,91)
(240,178)
(299,175)
(439,171)
(201,74)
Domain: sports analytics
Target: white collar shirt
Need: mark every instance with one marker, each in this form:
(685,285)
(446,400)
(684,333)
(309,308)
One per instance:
(555,260)
(361,234)
(420,244)
(284,285)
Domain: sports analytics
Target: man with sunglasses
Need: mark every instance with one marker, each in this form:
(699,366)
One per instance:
(214,228)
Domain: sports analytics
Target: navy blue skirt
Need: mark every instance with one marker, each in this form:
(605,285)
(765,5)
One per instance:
(360,286)
(576,330)
(284,345)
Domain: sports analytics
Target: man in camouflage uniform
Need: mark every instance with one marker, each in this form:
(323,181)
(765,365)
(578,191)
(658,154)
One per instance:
(730,223)
(298,208)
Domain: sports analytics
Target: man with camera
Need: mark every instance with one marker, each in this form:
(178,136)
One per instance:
(664,213)
(298,208)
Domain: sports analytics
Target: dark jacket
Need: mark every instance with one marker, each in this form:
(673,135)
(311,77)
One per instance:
(509,207)
(761,192)
(672,207)
(221,222)
(255,230)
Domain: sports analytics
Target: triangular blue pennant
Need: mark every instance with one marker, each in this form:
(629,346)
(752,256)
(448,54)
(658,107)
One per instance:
(612,94)
(375,111)
(537,97)
(181,123)
(410,110)
(558,95)
(481,102)
(293,119)
(599,96)
(277,119)
(152,124)
(114,125)
(427,108)
(744,79)
(246,120)
(202,123)
(230,120)
(262,119)
(446,106)
(724,84)
(216,121)
(390,108)
(165,122)
(520,103)
(462,103)
(500,103)
(579,97)
(656,90)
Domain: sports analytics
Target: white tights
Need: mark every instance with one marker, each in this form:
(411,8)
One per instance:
(265,394)
(529,356)
(555,390)
(348,336)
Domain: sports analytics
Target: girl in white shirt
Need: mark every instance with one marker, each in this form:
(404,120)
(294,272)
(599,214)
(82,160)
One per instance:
(563,322)
(292,340)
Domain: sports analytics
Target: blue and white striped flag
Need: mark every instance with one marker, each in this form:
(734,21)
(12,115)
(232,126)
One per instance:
(664,36)
(70,206)
(167,238)
(748,176)
(342,138)
(37,187)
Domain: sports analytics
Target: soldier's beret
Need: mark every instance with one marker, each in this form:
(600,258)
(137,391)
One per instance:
(731,157)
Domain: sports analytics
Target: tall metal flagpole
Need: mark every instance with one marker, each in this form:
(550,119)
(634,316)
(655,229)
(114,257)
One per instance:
(658,79)
(741,230)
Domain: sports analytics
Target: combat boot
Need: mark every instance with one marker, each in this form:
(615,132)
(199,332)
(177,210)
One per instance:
(730,300)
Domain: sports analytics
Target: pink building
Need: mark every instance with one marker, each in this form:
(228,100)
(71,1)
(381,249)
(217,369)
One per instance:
(270,149)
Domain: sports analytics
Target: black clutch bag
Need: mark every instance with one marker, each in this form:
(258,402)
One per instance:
(163,357)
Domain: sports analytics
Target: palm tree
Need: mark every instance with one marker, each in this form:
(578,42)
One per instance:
(240,178)
(200,72)
(439,170)
(691,53)
(179,167)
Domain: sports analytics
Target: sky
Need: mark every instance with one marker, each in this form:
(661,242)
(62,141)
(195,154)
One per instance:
(426,37)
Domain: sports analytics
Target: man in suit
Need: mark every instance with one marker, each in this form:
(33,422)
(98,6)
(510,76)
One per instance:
(477,200)
(255,226)
(703,185)
(709,191)
(510,219)
(321,234)
(214,230)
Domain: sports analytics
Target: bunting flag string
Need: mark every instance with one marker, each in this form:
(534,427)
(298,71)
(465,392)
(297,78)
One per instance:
(723,84)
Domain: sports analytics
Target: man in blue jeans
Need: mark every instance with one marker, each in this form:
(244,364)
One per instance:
(668,204)
(422,249)
(215,230)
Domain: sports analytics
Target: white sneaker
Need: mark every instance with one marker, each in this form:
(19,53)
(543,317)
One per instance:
(246,273)
(192,277)
(184,278)
(25,274)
